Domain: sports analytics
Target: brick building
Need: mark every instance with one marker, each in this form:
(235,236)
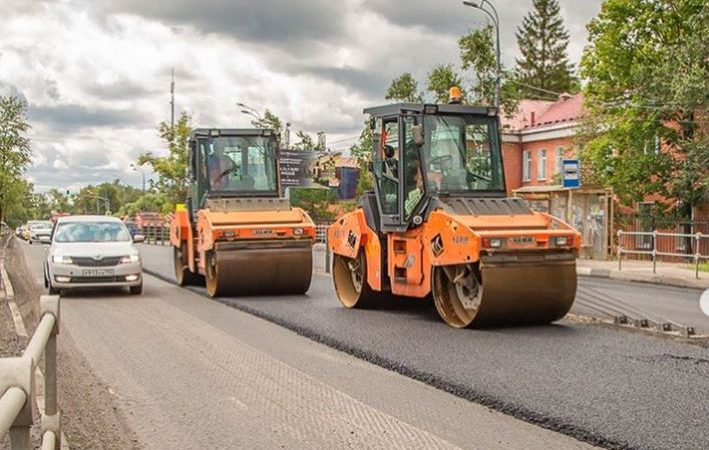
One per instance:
(537,138)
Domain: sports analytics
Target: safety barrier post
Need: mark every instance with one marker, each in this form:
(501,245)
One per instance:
(620,248)
(327,254)
(17,405)
(654,252)
(697,255)
(51,419)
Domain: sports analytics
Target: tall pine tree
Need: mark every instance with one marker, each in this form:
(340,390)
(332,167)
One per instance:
(542,40)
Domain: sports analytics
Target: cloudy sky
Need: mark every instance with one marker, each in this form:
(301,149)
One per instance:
(96,73)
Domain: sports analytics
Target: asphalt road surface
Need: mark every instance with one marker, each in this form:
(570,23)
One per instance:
(191,373)
(612,387)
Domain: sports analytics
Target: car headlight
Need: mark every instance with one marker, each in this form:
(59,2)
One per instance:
(130,259)
(62,259)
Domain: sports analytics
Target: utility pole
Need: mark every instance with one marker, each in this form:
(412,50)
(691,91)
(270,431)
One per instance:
(172,103)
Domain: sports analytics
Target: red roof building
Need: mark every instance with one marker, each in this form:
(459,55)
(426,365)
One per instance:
(537,138)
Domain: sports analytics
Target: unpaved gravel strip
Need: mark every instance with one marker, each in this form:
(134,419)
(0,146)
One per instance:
(90,417)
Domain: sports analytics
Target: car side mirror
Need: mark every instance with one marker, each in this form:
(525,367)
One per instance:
(138,238)
(417,133)
(45,240)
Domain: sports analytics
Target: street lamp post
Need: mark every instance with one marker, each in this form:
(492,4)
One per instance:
(496,21)
(142,172)
(249,110)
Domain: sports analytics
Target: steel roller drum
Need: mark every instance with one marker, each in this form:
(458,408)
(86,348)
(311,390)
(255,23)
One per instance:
(512,293)
(256,270)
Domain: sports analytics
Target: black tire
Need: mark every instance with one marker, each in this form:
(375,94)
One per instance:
(212,275)
(136,290)
(350,293)
(183,275)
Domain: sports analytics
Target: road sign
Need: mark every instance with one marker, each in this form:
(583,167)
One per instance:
(572,176)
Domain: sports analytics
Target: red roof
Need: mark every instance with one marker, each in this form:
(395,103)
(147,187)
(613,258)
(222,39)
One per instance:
(539,113)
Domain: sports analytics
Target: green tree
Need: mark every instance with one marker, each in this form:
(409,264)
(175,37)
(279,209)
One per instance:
(647,98)
(306,142)
(542,40)
(268,120)
(404,89)
(441,78)
(362,152)
(316,201)
(477,55)
(172,168)
(15,150)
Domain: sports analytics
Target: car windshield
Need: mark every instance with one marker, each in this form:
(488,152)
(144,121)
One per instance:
(41,226)
(241,163)
(91,232)
(462,153)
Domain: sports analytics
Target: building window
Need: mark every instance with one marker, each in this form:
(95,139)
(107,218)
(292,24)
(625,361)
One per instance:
(542,165)
(559,159)
(526,165)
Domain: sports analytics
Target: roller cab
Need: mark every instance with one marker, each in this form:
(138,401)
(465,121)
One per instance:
(439,223)
(235,234)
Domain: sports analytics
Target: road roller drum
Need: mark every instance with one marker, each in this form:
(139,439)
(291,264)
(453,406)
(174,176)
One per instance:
(277,269)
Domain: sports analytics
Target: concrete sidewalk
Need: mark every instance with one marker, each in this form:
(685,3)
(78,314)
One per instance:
(671,274)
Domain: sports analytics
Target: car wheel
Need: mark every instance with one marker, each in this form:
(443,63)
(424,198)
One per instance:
(136,290)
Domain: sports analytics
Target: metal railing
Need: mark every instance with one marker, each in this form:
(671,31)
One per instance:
(156,235)
(650,243)
(17,384)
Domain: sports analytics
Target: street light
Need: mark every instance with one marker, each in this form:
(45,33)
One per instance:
(496,21)
(142,171)
(251,111)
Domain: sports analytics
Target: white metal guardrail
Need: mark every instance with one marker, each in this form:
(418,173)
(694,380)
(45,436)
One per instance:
(17,384)
(650,243)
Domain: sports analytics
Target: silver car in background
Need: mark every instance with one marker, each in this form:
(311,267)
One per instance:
(38,230)
(92,252)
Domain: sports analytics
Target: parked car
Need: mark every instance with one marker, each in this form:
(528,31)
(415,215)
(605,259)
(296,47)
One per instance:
(39,229)
(92,251)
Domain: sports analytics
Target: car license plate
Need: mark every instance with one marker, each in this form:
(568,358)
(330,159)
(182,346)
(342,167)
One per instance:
(98,272)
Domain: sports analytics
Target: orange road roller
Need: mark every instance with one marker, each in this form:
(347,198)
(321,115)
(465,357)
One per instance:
(439,223)
(235,233)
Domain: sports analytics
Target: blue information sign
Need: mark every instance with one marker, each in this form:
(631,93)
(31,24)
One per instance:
(572,174)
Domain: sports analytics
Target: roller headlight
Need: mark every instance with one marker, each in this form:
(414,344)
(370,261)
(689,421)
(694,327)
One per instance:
(495,243)
(563,240)
(62,259)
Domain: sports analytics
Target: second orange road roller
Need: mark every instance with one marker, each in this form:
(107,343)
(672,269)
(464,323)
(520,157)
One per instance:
(235,233)
(439,223)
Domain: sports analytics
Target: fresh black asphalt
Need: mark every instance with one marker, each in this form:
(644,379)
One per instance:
(610,387)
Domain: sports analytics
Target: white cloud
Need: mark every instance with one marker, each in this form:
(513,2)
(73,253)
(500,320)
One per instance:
(96,74)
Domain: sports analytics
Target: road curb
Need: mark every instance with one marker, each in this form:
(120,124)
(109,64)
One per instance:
(664,280)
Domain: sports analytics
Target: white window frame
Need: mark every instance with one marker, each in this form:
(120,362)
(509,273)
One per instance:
(559,159)
(526,165)
(542,164)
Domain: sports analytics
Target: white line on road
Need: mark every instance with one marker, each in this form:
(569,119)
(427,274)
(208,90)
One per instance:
(17,318)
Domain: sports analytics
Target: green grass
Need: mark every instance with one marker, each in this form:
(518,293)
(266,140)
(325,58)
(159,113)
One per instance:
(703,266)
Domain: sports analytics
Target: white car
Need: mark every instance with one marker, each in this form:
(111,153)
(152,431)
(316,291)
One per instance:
(92,251)
(39,229)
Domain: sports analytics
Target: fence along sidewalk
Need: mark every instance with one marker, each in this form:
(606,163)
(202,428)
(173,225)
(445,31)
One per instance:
(17,384)
(653,251)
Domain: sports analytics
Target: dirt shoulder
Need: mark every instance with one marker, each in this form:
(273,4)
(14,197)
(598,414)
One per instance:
(91,418)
